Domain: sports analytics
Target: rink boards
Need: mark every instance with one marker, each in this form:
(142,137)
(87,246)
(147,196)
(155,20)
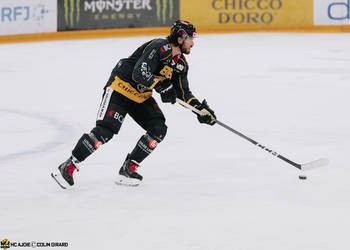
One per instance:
(36,20)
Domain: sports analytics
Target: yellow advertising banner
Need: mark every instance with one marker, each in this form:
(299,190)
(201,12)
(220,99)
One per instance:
(274,13)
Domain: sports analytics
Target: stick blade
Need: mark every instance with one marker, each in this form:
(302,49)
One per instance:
(315,164)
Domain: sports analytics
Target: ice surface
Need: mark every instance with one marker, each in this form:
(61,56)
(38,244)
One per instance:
(204,188)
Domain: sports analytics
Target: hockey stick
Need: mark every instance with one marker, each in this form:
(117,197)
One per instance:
(306,166)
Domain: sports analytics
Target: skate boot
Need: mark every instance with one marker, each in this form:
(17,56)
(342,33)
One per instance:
(127,173)
(64,174)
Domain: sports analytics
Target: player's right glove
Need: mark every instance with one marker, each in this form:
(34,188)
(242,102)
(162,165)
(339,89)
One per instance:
(167,91)
(209,117)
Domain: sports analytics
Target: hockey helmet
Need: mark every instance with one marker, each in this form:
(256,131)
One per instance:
(182,29)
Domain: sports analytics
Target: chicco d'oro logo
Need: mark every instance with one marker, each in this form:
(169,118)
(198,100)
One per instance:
(72,8)
(5,244)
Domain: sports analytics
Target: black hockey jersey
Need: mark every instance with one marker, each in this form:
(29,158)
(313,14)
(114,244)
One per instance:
(136,76)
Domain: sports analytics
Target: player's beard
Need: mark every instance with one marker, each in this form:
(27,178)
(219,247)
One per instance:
(186,51)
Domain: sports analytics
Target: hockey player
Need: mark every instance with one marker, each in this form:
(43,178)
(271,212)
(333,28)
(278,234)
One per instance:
(157,65)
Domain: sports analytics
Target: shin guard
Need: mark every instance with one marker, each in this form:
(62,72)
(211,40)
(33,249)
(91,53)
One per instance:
(89,143)
(144,147)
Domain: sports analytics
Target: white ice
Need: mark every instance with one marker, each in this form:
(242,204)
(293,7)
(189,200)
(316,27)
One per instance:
(204,188)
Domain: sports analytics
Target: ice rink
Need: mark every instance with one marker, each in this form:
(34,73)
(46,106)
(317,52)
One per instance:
(204,188)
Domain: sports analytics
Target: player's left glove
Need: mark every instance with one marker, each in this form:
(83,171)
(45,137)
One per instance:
(167,91)
(209,117)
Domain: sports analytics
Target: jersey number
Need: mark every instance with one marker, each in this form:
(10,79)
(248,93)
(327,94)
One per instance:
(167,72)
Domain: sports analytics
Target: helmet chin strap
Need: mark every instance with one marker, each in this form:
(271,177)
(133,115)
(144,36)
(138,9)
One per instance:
(184,36)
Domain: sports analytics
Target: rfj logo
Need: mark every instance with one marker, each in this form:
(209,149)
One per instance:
(331,12)
(23,13)
(72,8)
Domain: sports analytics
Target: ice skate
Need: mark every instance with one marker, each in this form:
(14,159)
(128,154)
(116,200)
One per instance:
(127,174)
(64,174)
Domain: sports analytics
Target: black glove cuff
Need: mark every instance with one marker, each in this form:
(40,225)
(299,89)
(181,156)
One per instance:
(162,85)
(194,103)
(168,95)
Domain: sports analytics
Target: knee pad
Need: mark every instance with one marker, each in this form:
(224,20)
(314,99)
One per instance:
(157,130)
(100,135)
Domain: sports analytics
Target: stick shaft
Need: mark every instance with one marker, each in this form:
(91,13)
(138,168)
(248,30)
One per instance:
(274,153)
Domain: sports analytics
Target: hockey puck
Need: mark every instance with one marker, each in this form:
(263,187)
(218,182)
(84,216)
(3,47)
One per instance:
(302,177)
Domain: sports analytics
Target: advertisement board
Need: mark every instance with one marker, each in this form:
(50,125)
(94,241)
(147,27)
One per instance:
(331,12)
(24,16)
(107,14)
(248,12)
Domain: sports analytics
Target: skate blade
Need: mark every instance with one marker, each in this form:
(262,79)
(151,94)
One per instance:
(124,181)
(56,175)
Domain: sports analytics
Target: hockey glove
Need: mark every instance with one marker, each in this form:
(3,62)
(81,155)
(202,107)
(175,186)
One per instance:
(167,91)
(209,117)
(168,95)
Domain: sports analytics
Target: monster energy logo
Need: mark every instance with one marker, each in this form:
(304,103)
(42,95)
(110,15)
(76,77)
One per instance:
(162,7)
(69,6)
(72,11)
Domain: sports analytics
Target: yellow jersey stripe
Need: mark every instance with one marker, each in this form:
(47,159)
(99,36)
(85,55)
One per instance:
(148,46)
(185,69)
(165,57)
(156,80)
(183,92)
(129,91)
(189,100)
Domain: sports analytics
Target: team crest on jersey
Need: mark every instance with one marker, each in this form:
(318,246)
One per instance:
(145,70)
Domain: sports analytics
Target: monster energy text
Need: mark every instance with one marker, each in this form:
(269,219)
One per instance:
(73,8)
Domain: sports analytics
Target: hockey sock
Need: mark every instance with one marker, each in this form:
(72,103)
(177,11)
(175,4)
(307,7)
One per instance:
(85,147)
(143,148)
(89,143)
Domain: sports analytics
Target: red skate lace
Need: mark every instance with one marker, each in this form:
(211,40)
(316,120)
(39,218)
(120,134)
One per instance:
(71,169)
(133,167)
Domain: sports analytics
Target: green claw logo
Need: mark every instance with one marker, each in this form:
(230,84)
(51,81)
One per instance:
(69,6)
(162,7)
